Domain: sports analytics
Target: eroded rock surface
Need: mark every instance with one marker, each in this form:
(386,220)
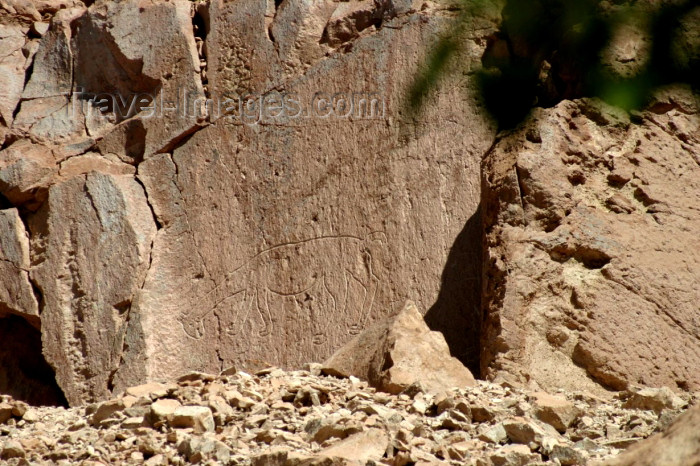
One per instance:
(90,232)
(591,269)
(282,240)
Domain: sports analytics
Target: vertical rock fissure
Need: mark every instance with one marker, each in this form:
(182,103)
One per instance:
(200,29)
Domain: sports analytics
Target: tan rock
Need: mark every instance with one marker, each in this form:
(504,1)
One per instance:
(163,410)
(321,249)
(678,445)
(523,430)
(513,455)
(93,162)
(16,293)
(656,399)
(160,66)
(399,352)
(26,172)
(554,410)
(104,225)
(5,412)
(369,445)
(151,390)
(559,259)
(12,67)
(199,418)
(496,434)
(11,449)
(106,410)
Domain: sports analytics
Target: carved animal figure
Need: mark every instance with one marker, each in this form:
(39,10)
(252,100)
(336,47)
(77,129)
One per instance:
(336,264)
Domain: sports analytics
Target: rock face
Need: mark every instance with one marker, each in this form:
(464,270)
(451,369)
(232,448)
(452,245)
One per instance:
(91,229)
(303,236)
(591,274)
(273,222)
(401,351)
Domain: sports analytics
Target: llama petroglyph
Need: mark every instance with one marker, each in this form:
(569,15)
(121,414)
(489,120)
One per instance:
(341,268)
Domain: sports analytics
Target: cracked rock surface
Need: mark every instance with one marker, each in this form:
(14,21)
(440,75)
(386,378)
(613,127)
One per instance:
(160,233)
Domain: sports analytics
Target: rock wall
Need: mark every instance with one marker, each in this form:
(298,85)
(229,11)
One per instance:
(591,261)
(148,231)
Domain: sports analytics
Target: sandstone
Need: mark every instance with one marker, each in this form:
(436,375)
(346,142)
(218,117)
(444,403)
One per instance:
(334,426)
(558,259)
(567,456)
(369,445)
(513,455)
(5,412)
(496,434)
(133,422)
(399,352)
(106,410)
(206,448)
(338,249)
(153,390)
(239,401)
(163,410)
(121,303)
(16,293)
(354,421)
(198,418)
(11,449)
(110,213)
(655,399)
(12,68)
(555,411)
(26,171)
(678,445)
(525,431)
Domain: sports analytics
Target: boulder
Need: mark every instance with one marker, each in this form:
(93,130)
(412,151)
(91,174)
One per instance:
(655,399)
(12,68)
(16,293)
(163,410)
(590,263)
(556,411)
(398,352)
(678,445)
(365,446)
(199,418)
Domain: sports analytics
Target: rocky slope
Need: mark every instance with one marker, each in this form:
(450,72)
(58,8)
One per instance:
(275,417)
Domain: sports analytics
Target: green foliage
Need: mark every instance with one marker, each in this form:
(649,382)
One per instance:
(550,50)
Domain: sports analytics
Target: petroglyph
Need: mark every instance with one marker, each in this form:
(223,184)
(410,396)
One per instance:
(336,270)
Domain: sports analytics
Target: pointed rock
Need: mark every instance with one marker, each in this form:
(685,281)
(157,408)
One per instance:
(398,352)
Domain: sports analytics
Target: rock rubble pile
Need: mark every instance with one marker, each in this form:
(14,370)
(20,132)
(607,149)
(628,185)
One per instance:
(276,417)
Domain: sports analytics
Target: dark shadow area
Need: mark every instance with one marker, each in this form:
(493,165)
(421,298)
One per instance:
(24,373)
(109,81)
(547,51)
(457,311)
